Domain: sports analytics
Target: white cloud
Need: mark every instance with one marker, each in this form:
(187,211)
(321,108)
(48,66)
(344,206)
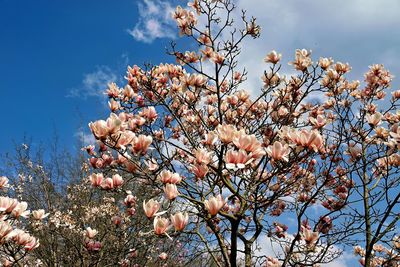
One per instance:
(345,260)
(95,83)
(86,138)
(359,32)
(154,22)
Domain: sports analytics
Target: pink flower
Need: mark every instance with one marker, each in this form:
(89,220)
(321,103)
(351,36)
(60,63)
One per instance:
(237,159)
(272,262)
(124,138)
(114,123)
(151,207)
(214,204)
(171,191)
(25,240)
(151,164)
(7,204)
(273,57)
(93,245)
(324,62)
(309,236)
(167,177)
(114,105)
(107,184)
(249,143)
(117,180)
(142,143)
(96,179)
(6,231)
(318,122)
(39,214)
(180,220)
(161,225)
(308,139)
(3,182)
(302,60)
(20,210)
(210,139)
(202,156)
(90,233)
(99,129)
(130,200)
(226,133)
(374,119)
(278,151)
(199,170)
(149,113)
(163,256)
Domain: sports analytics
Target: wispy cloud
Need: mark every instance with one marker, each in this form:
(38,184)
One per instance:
(85,137)
(94,83)
(154,22)
(359,32)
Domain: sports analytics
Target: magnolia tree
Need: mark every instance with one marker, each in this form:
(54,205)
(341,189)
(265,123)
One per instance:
(82,226)
(16,243)
(235,172)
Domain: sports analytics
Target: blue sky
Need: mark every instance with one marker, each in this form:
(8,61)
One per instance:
(57,56)
(52,49)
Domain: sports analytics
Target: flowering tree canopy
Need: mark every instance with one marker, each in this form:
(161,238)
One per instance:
(190,168)
(231,167)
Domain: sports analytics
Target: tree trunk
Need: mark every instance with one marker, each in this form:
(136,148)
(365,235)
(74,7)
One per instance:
(247,256)
(234,238)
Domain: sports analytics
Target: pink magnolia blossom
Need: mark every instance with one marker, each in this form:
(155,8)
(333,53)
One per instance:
(199,170)
(6,231)
(237,159)
(99,129)
(249,143)
(272,262)
(163,256)
(278,151)
(149,113)
(114,123)
(309,236)
(90,233)
(167,177)
(114,105)
(20,210)
(151,207)
(302,60)
(171,191)
(180,220)
(374,119)
(7,204)
(39,214)
(324,63)
(93,245)
(142,143)
(151,164)
(3,182)
(161,225)
(26,240)
(107,184)
(226,133)
(214,204)
(202,156)
(96,179)
(117,180)
(318,122)
(209,139)
(273,57)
